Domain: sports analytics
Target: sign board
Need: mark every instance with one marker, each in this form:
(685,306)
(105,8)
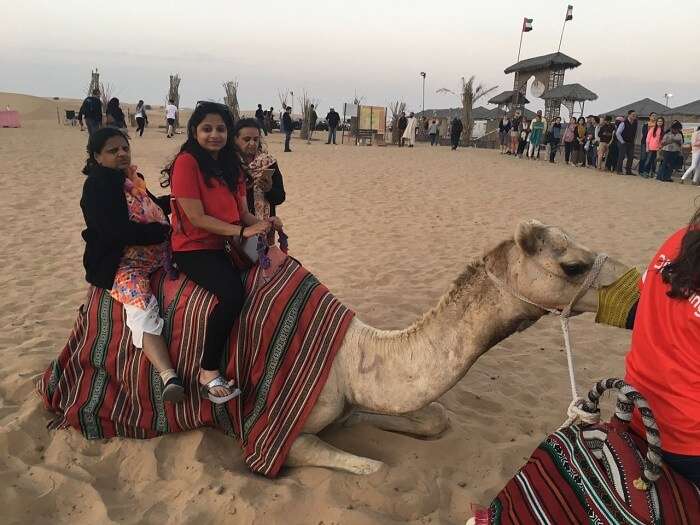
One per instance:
(372,118)
(688,129)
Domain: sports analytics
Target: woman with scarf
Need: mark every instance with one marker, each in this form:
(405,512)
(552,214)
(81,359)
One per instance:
(264,183)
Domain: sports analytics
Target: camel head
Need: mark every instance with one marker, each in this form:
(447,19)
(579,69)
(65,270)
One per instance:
(548,267)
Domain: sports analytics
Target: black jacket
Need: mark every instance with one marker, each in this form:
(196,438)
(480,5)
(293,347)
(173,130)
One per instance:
(333,119)
(287,123)
(275,196)
(109,229)
(91,108)
(457,127)
(403,123)
(259,114)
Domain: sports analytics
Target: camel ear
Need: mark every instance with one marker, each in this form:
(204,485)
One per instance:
(530,236)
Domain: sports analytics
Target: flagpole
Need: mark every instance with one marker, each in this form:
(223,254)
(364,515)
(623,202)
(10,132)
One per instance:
(562,35)
(521,44)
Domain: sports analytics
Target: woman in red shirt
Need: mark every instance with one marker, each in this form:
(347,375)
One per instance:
(664,359)
(209,204)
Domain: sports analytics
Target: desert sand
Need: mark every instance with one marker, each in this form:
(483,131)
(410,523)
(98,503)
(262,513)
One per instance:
(387,230)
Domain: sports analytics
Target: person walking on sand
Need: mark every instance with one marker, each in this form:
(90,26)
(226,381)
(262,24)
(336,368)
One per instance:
(260,117)
(141,118)
(288,127)
(402,123)
(655,135)
(91,110)
(333,119)
(695,162)
(569,137)
(433,133)
(170,117)
(409,134)
(515,125)
(269,119)
(456,129)
(313,118)
(646,127)
(671,146)
(626,134)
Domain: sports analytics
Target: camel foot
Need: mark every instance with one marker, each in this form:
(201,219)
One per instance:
(309,450)
(429,421)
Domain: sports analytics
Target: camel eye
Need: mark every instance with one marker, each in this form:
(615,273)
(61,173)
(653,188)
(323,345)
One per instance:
(574,269)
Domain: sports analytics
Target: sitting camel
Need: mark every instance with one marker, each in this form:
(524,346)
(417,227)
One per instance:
(392,378)
(388,378)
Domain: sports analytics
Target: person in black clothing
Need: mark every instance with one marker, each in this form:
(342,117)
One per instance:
(402,124)
(333,119)
(554,137)
(141,118)
(115,115)
(288,126)
(115,244)
(313,118)
(455,132)
(260,117)
(261,168)
(91,110)
(626,134)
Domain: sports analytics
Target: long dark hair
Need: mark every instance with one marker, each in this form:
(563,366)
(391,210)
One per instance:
(658,128)
(226,167)
(683,273)
(95,144)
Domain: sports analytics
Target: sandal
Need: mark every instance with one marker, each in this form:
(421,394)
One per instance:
(174,390)
(206,390)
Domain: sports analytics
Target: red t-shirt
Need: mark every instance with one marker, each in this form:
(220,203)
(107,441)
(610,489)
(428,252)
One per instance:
(664,359)
(187,182)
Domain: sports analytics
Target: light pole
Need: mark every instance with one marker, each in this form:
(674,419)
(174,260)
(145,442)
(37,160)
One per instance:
(422,73)
(667,96)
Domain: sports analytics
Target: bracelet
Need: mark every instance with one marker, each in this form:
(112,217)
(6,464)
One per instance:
(241,234)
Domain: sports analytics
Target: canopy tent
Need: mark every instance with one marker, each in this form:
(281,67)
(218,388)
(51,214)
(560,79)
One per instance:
(570,94)
(550,61)
(506,98)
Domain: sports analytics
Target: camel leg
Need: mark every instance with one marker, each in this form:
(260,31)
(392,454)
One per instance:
(308,450)
(429,421)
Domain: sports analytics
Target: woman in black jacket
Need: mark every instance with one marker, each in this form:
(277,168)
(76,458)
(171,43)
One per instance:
(127,239)
(263,175)
(114,114)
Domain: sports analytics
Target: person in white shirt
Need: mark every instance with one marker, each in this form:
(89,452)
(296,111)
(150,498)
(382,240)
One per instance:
(170,116)
(695,163)
(409,135)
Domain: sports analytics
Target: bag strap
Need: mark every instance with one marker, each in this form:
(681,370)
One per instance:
(627,399)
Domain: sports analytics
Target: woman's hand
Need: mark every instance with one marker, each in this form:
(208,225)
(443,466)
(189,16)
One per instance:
(259,228)
(276,223)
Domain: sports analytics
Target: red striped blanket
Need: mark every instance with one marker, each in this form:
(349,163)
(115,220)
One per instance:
(586,475)
(280,353)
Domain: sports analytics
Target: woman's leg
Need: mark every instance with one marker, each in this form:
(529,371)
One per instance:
(213,271)
(567,152)
(693,166)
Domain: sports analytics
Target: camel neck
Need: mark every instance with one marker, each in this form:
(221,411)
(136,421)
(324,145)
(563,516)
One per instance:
(404,370)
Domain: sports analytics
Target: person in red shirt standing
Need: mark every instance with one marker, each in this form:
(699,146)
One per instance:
(209,205)
(664,358)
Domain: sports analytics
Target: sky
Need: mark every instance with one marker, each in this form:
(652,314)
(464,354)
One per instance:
(335,50)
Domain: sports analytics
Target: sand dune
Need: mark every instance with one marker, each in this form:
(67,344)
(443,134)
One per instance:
(387,230)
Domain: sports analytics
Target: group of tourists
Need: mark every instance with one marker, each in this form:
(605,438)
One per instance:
(603,144)
(215,179)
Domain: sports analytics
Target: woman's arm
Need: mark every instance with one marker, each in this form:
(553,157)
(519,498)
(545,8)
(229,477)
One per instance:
(195,213)
(105,209)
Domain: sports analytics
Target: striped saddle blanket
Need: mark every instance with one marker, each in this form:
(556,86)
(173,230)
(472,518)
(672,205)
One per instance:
(586,475)
(280,353)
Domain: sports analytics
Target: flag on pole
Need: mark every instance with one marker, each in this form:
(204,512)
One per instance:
(527,24)
(569,13)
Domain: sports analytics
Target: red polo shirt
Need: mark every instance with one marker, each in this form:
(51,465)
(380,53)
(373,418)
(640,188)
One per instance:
(187,181)
(664,359)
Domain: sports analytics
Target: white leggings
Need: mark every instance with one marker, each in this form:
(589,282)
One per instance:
(532,150)
(694,167)
(143,321)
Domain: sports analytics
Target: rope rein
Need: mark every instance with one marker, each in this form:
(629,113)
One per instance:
(575,411)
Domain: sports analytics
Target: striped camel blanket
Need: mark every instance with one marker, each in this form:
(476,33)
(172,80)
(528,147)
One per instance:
(599,474)
(280,353)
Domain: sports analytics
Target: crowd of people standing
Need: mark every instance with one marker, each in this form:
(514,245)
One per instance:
(602,143)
